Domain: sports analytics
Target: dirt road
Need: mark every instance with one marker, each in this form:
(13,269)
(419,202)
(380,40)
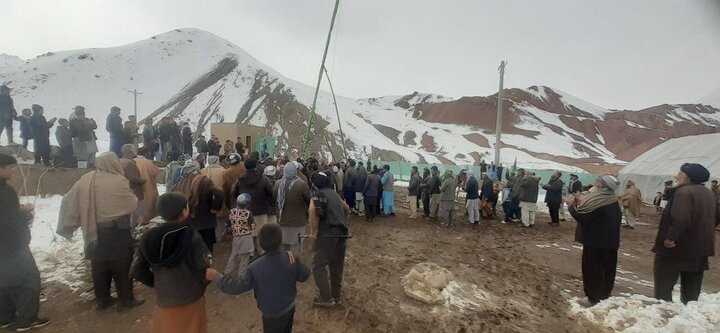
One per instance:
(508,279)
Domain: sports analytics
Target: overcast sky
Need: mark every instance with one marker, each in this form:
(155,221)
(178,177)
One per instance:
(617,54)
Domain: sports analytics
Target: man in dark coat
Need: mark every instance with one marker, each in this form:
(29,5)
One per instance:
(472,197)
(553,197)
(258,186)
(150,137)
(434,189)
(114,126)
(202,146)
(575,185)
(64,139)
(488,192)
(598,215)
(7,112)
(214,146)
(19,276)
(516,191)
(41,131)
(187,139)
(350,174)
(414,191)
(359,187)
(82,131)
(686,235)
(371,192)
(424,189)
(328,214)
(528,196)
(25,127)
(239,147)
(165,132)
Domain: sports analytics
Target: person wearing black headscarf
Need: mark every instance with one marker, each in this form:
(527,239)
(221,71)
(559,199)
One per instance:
(686,235)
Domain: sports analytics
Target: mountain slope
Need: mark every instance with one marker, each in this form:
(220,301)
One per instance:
(192,75)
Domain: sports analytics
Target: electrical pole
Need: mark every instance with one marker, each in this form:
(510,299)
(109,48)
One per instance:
(337,112)
(498,124)
(311,117)
(135,93)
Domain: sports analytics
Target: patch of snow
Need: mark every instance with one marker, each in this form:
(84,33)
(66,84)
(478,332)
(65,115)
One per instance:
(538,92)
(465,296)
(637,313)
(570,100)
(58,259)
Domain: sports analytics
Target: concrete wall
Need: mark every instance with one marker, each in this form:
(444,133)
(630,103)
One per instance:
(230,131)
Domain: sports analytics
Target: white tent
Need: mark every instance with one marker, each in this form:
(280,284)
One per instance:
(651,169)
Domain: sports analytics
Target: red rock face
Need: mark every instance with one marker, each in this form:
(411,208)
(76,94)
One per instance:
(625,133)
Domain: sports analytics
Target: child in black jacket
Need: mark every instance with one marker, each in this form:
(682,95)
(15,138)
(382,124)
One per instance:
(273,277)
(172,258)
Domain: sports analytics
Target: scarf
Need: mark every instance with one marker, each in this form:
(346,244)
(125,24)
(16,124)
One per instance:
(189,167)
(99,196)
(289,178)
(595,200)
(189,184)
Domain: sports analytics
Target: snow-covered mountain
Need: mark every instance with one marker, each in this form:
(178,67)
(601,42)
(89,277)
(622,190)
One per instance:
(190,74)
(7,61)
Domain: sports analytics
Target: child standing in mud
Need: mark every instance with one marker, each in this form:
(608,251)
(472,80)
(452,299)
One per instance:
(273,277)
(172,258)
(241,224)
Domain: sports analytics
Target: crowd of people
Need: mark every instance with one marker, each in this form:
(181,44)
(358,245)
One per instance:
(266,206)
(77,140)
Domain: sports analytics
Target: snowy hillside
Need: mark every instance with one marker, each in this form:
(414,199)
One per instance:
(193,75)
(8,61)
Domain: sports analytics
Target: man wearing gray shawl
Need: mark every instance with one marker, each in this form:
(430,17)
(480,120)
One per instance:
(293,199)
(598,215)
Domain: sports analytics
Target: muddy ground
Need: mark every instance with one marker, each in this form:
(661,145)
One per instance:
(509,279)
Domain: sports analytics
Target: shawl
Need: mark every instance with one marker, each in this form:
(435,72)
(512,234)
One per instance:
(290,176)
(100,196)
(632,199)
(150,172)
(595,200)
(190,185)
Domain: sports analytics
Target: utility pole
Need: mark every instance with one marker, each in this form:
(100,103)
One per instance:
(498,124)
(337,112)
(135,93)
(311,117)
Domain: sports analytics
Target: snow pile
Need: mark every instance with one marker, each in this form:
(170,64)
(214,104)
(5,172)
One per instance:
(466,296)
(637,313)
(58,259)
(426,281)
(429,283)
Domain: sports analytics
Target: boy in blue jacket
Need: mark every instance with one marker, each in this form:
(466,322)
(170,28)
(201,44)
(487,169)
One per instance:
(273,277)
